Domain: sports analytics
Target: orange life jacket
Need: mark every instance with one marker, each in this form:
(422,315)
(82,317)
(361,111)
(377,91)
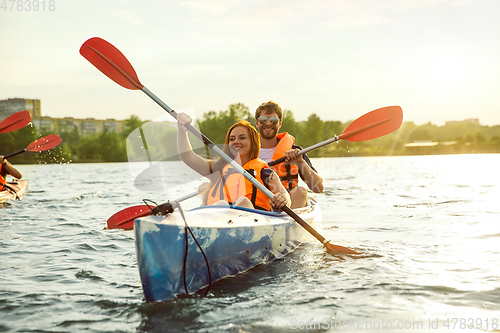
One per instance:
(289,174)
(233,185)
(2,180)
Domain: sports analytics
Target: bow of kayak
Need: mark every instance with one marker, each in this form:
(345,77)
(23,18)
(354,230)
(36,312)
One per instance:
(13,190)
(233,240)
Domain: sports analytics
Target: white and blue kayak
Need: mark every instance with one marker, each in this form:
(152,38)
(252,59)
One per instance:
(227,241)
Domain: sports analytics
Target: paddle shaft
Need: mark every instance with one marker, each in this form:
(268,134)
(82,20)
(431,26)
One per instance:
(41,144)
(175,203)
(14,154)
(308,149)
(187,196)
(343,136)
(235,165)
(145,145)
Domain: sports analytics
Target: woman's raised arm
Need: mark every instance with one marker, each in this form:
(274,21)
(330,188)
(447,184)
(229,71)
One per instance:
(194,161)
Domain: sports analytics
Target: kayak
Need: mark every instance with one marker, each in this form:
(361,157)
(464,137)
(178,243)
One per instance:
(13,190)
(228,240)
(231,240)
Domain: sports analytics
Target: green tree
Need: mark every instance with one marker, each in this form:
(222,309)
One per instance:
(7,144)
(331,128)
(131,124)
(111,147)
(19,140)
(87,150)
(480,138)
(239,111)
(312,133)
(215,125)
(288,124)
(424,132)
(107,146)
(70,141)
(494,144)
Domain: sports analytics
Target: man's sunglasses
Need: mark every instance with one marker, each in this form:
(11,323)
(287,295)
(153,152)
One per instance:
(263,120)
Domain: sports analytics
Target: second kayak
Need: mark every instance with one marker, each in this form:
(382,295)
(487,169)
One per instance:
(13,190)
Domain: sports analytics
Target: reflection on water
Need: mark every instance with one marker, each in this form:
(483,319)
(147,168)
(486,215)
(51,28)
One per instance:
(427,228)
(434,220)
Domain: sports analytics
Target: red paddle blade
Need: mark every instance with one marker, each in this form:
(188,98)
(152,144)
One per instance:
(111,62)
(374,124)
(16,121)
(335,249)
(124,219)
(45,143)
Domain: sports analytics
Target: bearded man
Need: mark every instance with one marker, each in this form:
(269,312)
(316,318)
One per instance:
(268,120)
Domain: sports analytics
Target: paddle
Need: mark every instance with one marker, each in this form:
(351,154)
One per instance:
(42,144)
(15,121)
(112,63)
(124,219)
(371,125)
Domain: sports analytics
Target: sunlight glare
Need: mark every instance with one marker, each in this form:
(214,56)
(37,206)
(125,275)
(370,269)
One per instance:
(449,71)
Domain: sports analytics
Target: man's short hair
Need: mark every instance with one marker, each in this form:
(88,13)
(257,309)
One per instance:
(269,107)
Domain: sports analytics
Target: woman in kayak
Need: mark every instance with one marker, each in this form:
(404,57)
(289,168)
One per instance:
(7,169)
(227,185)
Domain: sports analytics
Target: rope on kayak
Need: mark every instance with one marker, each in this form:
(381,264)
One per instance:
(186,254)
(150,207)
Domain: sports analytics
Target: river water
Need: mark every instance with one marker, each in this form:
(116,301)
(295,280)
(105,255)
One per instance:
(427,227)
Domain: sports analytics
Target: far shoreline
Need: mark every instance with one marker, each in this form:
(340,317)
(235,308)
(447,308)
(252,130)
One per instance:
(315,157)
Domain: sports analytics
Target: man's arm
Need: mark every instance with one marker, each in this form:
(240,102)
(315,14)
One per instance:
(307,173)
(10,169)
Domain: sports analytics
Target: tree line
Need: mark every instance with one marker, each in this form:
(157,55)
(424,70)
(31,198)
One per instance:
(110,146)
(460,137)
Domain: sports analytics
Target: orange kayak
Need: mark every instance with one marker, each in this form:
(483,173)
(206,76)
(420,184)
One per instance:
(13,190)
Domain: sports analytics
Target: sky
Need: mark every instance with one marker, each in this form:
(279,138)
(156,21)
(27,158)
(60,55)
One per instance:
(438,59)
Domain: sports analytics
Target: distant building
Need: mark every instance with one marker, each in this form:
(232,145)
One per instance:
(474,121)
(427,147)
(57,125)
(82,126)
(13,105)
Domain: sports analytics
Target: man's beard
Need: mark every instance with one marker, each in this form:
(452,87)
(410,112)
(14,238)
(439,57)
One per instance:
(269,135)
